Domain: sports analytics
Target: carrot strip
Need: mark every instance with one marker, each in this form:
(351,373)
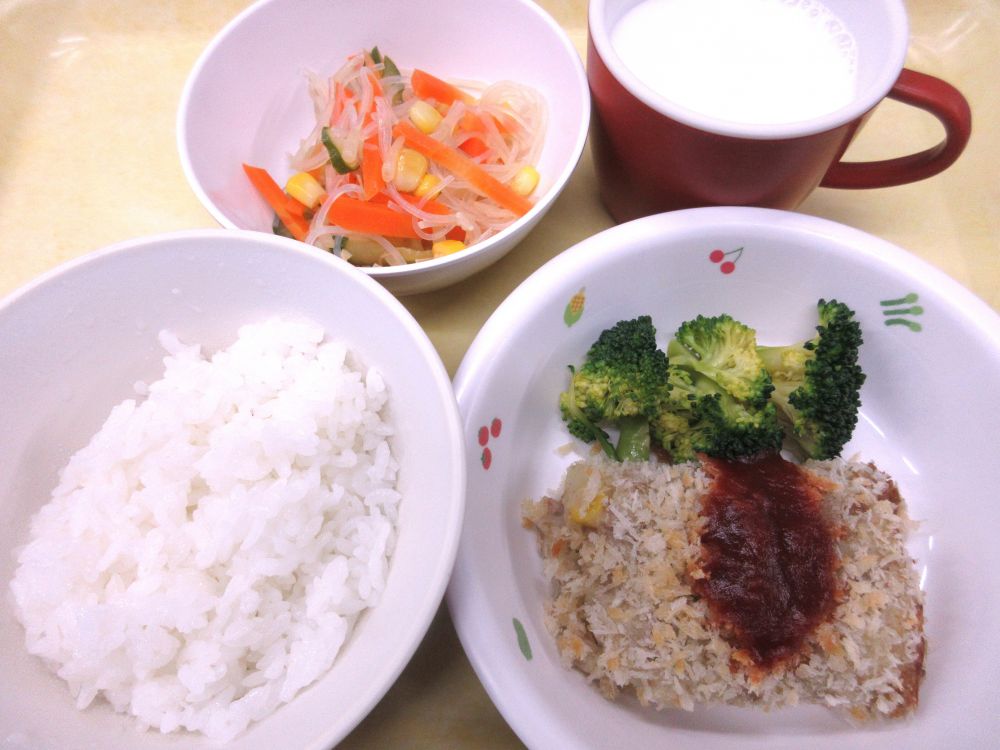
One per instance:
(431,206)
(376,84)
(276,198)
(337,103)
(473,147)
(371,170)
(470,122)
(461,165)
(427,86)
(364,216)
(295,208)
(476,123)
(369,115)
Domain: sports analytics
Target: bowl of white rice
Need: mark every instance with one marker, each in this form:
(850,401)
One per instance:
(232,482)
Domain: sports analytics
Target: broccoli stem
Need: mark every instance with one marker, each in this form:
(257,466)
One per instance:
(633,439)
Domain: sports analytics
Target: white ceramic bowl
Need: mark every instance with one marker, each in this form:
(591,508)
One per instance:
(78,338)
(928,417)
(246,98)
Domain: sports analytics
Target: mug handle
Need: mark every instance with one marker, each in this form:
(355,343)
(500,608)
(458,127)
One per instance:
(928,93)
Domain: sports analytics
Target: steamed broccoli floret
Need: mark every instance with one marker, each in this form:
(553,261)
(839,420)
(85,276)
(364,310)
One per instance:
(578,423)
(720,394)
(677,413)
(724,350)
(731,429)
(698,416)
(817,383)
(619,383)
(720,388)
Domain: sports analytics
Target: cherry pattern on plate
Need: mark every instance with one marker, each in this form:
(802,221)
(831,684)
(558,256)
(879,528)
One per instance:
(483,435)
(726,263)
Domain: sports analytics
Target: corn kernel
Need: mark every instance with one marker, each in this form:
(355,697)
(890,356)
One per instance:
(424,116)
(304,188)
(446,247)
(411,166)
(590,515)
(427,184)
(525,181)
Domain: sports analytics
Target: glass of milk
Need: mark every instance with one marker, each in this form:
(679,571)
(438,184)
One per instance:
(750,102)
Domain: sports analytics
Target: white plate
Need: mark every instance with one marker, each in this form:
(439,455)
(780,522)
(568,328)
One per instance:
(929,418)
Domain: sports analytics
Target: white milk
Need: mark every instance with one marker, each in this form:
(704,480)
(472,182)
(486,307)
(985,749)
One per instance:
(749,61)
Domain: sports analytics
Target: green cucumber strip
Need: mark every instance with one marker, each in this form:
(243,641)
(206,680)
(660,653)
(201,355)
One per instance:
(390,69)
(336,159)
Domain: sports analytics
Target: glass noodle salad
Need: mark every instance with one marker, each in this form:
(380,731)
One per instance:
(402,166)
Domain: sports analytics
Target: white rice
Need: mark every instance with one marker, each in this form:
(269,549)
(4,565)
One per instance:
(206,555)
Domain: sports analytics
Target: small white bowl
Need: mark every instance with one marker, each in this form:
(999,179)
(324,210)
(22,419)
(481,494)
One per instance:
(246,99)
(75,342)
(928,416)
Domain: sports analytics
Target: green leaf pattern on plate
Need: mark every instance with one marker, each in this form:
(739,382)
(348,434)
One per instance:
(522,639)
(900,312)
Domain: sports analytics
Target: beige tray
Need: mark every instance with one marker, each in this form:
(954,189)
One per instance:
(88,100)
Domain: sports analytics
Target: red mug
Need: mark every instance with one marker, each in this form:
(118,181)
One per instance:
(654,155)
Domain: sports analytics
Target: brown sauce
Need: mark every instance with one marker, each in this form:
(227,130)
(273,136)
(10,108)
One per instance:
(768,555)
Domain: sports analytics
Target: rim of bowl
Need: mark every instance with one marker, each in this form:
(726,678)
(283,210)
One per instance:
(540,206)
(417,625)
(893,58)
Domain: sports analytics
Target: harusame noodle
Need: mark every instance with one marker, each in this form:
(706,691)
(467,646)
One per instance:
(456,159)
